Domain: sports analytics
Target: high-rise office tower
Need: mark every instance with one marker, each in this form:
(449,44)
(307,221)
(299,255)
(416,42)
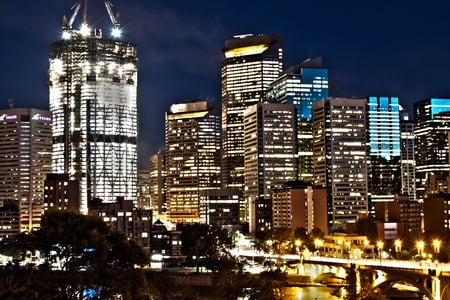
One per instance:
(407,161)
(192,158)
(340,157)
(92,83)
(270,157)
(25,160)
(249,64)
(302,85)
(383,115)
(157,183)
(431,128)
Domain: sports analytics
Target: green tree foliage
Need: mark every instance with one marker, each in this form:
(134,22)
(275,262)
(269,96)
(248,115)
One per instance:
(205,244)
(92,257)
(367,227)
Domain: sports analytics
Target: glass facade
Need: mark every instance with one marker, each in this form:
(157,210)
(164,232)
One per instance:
(249,65)
(302,85)
(384,142)
(340,157)
(431,127)
(192,158)
(408,161)
(92,83)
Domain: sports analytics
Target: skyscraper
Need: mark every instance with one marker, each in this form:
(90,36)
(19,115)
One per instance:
(249,64)
(192,158)
(408,161)
(270,157)
(157,183)
(25,159)
(340,157)
(92,83)
(384,147)
(431,127)
(302,85)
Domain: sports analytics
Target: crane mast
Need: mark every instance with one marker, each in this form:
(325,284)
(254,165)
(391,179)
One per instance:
(109,8)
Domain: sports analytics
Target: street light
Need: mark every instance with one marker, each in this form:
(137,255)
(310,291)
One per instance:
(298,243)
(437,245)
(380,246)
(420,245)
(398,245)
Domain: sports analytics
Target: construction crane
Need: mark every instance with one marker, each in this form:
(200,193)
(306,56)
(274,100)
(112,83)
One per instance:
(109,8)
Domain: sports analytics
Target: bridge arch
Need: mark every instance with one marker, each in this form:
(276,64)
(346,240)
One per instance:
(391,279)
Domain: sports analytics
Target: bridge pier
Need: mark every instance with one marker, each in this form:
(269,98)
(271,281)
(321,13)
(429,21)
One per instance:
(443,286)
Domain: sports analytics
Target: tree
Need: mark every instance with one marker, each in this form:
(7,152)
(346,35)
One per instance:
(92,256)
(367,227)
(205,244)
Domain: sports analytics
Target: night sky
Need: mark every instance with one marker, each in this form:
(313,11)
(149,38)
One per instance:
(383,48)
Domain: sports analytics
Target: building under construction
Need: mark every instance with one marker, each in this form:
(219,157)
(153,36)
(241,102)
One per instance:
(93,89)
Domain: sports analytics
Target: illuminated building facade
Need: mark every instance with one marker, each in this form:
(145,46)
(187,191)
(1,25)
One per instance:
(192,158)
(340,157)
(302,85)
(407,161)
(431,127)
(298,204)
(270,157)
(249,65)
(157,183)
(93,84)
(25,160)
(384,146)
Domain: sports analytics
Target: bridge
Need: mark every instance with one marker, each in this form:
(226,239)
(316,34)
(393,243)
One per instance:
(432,279)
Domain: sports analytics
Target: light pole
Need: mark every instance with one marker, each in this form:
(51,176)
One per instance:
(298,243)
(380,246)
(398,245)
(420,245)
(437,245)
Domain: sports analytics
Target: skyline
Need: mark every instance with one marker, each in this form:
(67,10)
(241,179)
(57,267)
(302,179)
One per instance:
(377,50)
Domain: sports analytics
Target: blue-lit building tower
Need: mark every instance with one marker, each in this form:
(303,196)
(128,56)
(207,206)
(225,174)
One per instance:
(302,85)
(431,130)
(384,147)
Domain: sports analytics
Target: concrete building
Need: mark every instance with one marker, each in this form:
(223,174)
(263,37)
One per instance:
(123,217)
(157,183)
(61,193)
(93,93)
(143,184)
(407,160)
(221,206)
(340,158)
(25,159)
(298,204)
(249,64)
(9,218)
(192,158)
(270,156)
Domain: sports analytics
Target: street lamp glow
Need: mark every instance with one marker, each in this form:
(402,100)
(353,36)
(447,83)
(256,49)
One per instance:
(398,245)
(420,245)
(436,245)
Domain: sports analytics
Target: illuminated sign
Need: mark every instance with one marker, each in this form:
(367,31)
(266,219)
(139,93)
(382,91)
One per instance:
(248,50)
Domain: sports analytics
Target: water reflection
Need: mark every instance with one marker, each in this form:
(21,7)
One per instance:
(307,293)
